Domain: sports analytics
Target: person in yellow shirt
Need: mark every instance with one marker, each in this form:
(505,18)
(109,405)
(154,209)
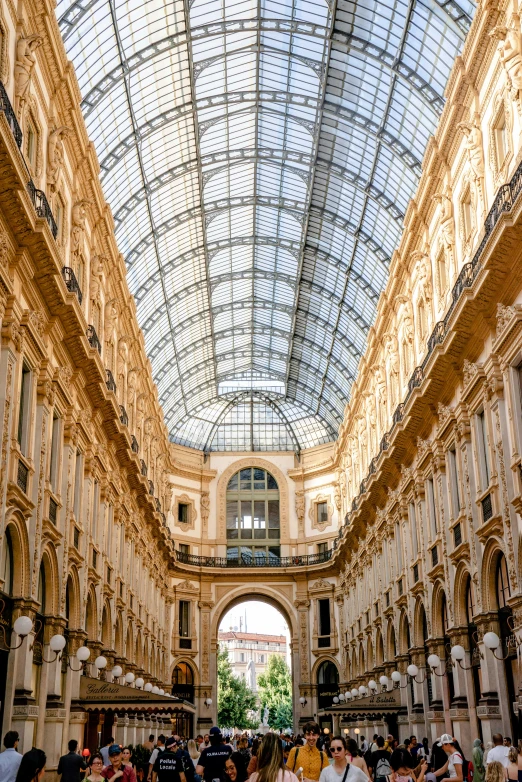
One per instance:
(309,758)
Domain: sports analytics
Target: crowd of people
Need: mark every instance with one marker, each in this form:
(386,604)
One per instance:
(313,756)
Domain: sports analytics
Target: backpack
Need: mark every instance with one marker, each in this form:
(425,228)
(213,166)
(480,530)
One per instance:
(382,768)
(297,755)
(187,766)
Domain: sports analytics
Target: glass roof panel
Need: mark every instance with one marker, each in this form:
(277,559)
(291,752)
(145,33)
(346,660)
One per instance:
(258,156)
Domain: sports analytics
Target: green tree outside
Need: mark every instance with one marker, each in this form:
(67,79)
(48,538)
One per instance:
(235,698)
(275,692)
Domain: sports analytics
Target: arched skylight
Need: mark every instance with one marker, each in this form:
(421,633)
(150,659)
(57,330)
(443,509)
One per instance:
(258,157)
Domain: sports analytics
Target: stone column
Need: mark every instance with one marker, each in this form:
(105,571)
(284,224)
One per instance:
(493,681)
(301,666)
(21,707)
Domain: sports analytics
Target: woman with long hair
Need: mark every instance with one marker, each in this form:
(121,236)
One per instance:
(513,771)
(96,764)
(354,757)
(270,762)
(495,772)
(32,767)
(235,767)
(341,770)
(193,751)
(126,757)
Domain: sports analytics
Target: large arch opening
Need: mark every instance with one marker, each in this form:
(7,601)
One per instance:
(254,670)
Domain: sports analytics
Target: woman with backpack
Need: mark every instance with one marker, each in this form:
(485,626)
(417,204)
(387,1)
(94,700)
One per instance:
(341,770)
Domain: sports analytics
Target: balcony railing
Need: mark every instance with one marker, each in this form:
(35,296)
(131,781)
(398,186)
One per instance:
(109,381)
(303,560)
(504,202)
(94,342)
(71,282)
(135,448)
(22,476)
(42,208)
(124,418)
(8,111)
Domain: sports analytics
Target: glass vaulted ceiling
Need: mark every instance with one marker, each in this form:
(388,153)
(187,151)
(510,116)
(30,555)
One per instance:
(258,157)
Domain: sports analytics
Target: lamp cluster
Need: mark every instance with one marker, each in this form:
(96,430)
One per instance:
(24,626)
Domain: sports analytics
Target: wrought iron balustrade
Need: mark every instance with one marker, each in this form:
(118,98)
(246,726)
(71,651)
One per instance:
(109,381)
(71,282)
(42,208)
(94,342)
(416,379)
(124,418)
(244,561)
(135,448)
(504,202)
(53,510)
(8,111)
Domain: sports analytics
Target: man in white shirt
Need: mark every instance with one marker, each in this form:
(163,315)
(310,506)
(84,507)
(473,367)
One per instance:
(10,759)
(498,752)
(455,759)
(160,747)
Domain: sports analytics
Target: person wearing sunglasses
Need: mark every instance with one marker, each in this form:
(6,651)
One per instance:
(341,770)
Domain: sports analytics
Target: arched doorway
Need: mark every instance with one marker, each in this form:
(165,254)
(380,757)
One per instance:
(509,649)
(8,566)
(183,682)
(327,689)
(253,658)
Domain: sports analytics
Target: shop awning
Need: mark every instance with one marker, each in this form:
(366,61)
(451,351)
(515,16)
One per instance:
(96,694)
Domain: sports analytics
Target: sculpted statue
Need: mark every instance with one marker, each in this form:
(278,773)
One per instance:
(111,318)
(78,216)
(510,52)
(381,398)
(299,505)
(96,278)
(392,360)
(55,156)
(447,223)
(24,64)
(424,278)
(474,148)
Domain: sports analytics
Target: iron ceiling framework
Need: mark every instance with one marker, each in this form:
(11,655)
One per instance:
(258,157)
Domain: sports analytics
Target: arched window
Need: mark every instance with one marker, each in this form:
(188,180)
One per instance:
(253,525)
(8,564)
(183,682)
(327,673)
(509,648)
(41,589)
(182,674)
(503,588)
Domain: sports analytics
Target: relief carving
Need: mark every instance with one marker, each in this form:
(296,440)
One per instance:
(56,156)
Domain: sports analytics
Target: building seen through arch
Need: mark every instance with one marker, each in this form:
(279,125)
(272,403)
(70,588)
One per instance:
(260,340)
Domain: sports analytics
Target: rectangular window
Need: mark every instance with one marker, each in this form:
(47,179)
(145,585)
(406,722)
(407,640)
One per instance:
(31,144)
(55,448)
(413,530)
(23,410)
(324,622)
(78,477)
(322,548)
(454,482)
(321,509)
(398,543)
(95,509)
(432,508)
(184,548)
(183,513)
(122,546)
(241,657)
(184,624)
(483,450)
(467,216)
